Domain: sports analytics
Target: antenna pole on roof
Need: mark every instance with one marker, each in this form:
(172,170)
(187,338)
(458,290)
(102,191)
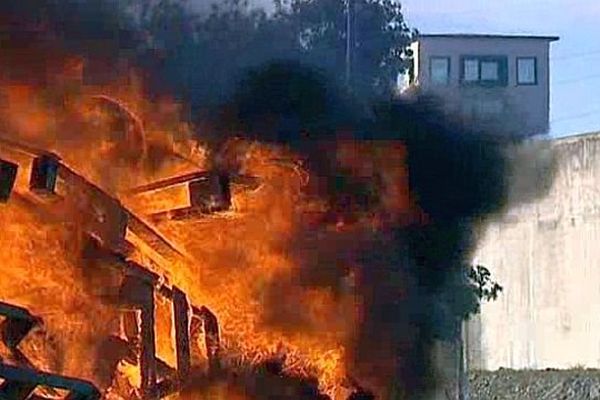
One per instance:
(349,40)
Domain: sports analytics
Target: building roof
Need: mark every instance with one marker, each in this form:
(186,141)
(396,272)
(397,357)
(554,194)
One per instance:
(578,137)
(485,36)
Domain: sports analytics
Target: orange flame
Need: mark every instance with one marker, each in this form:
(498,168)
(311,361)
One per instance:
(244,264)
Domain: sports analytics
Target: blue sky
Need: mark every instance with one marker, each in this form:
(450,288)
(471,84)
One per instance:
(574,60)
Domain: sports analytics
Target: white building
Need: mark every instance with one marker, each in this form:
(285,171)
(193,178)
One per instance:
(502,80)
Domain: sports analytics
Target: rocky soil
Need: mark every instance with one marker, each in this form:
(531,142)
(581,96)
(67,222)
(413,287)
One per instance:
(572,384)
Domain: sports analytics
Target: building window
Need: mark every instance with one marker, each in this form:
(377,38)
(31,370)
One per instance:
(470,70)
(489,71)
(484,70)
(526,71)
(439,70)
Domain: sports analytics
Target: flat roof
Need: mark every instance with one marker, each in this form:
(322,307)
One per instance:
(485,36)
(577,137)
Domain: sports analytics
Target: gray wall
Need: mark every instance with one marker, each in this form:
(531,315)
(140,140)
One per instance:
(526,107)
(546,254)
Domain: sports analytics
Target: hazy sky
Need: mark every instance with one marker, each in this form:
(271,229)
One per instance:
(574,60)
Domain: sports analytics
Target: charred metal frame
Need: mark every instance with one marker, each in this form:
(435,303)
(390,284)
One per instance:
(99,210)
(181,309)
(21,380)
(208,192)
(212,338)
(8,175)
(17,324)
(138,290)
(44,172)
(19,384)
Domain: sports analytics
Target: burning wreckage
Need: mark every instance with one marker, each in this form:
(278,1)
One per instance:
(277,248)
(108,227)
(137,265)
(118,242)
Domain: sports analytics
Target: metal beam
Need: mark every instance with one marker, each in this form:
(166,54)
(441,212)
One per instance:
(19,321)
(8,176)
(181,311)
(137,291)
(19,383)
(236,179)
(211,336)
(44,171)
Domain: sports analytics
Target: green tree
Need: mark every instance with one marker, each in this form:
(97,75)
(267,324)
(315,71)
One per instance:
(203,56)
(460,297)
(381,37)
(482,284)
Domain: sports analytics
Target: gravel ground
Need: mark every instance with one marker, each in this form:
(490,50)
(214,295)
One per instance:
(573,384)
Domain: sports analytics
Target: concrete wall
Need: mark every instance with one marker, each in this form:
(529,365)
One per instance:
(527,106)
(546,254)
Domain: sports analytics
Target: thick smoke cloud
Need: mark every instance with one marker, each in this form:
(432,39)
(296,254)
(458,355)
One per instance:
(38,34)
(412,276)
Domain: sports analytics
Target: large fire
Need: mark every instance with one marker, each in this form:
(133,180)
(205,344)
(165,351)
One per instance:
(245,263)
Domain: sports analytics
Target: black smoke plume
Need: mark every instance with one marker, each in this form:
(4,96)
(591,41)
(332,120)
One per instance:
(412,275)
(36,35)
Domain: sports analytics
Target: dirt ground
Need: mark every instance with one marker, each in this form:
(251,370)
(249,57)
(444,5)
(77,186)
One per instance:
(572,384)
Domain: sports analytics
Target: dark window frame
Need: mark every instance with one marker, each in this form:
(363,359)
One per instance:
(448,70)
(502,61)
(535,71)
